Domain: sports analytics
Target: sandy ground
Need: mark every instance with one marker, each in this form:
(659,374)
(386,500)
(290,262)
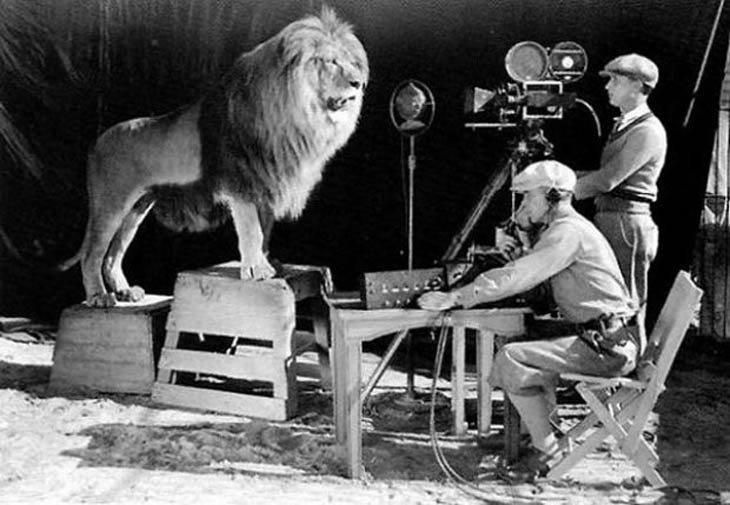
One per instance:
(124,449)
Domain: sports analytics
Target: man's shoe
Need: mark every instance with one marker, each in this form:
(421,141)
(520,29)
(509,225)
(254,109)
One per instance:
(531,465)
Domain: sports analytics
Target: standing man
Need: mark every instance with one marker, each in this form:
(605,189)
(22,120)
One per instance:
(576,260)
(625,185)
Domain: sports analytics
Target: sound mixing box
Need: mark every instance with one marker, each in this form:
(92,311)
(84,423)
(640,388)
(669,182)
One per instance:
(400,288)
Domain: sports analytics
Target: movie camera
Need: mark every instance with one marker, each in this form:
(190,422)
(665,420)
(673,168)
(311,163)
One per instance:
(537,93)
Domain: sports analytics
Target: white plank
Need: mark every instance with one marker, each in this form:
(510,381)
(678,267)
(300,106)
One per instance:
(252,367)
(275,409)
(220,305)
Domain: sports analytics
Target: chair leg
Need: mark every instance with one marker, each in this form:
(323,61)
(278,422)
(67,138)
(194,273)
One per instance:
(577,454)
(647,467)
(623,401)
(644,455)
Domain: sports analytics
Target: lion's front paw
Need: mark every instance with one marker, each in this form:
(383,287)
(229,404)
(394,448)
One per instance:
(101,300)
(259,272)
(133,294)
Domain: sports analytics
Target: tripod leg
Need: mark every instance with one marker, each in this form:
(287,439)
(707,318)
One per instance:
(384,362)
(495,182)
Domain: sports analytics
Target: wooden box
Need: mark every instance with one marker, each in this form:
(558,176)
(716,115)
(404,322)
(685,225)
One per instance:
(111,350)
(229,341)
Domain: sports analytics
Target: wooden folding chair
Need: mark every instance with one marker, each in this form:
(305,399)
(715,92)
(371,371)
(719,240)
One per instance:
(620,406)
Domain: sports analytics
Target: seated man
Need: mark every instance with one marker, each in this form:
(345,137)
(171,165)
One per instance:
(577,262)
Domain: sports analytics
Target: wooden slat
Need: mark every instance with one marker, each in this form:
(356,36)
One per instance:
(276,409)
(257,310)
(171,339)
(252,367)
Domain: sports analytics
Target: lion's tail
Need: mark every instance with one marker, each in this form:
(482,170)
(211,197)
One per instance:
(62,267)
(65,265)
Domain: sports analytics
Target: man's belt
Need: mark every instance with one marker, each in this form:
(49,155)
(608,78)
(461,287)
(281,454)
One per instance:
(604,332)
(629,195)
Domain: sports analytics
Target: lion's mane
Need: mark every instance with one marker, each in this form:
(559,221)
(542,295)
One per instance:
(266,131)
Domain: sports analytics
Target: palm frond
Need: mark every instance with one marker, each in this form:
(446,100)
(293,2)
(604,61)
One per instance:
(31,61)
(23,47)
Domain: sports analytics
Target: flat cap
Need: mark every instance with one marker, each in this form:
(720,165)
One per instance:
(544,174)
(633,65)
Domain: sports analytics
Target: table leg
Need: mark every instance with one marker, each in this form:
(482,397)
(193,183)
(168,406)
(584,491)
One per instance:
(485,356)
(511,431)
(457,380)
(347,356)
(510,419)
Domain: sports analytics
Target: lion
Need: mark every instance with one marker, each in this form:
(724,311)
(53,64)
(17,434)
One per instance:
(253,148)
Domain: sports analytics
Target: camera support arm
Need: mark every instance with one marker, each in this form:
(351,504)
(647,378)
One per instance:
(531,145)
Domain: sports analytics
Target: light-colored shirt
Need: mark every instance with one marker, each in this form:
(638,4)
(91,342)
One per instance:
(625,119)
(631,160)
(575,258)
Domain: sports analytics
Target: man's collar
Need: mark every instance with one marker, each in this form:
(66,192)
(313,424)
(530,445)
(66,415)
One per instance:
(634,113)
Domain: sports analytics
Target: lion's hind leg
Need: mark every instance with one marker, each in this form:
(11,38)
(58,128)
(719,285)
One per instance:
(101,231)
(107,211)
(113,274)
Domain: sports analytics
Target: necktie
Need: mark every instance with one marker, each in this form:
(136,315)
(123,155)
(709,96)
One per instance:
(614,130)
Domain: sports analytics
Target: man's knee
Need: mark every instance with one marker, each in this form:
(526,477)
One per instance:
(506,358)
(508,372)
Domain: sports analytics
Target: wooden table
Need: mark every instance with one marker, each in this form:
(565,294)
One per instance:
(351,326)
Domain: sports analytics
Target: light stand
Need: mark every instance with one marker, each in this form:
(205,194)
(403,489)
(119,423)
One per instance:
(411,184)
(412,109)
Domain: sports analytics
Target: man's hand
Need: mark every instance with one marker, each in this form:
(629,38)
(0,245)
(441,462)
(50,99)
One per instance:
(510,247)
(438,300)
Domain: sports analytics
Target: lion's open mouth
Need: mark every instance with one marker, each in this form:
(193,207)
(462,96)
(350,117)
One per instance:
(335,104)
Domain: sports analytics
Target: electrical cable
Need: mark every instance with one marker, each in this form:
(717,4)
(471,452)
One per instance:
(596,121)
(456,479)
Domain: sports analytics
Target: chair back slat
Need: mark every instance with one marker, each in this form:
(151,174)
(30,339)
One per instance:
(666,338)
(673,322)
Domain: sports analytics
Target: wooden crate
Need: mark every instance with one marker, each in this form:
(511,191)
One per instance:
(111,350)
(229,342)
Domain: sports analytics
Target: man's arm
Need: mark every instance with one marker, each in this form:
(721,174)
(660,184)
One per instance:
(554,252)
(636,152)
